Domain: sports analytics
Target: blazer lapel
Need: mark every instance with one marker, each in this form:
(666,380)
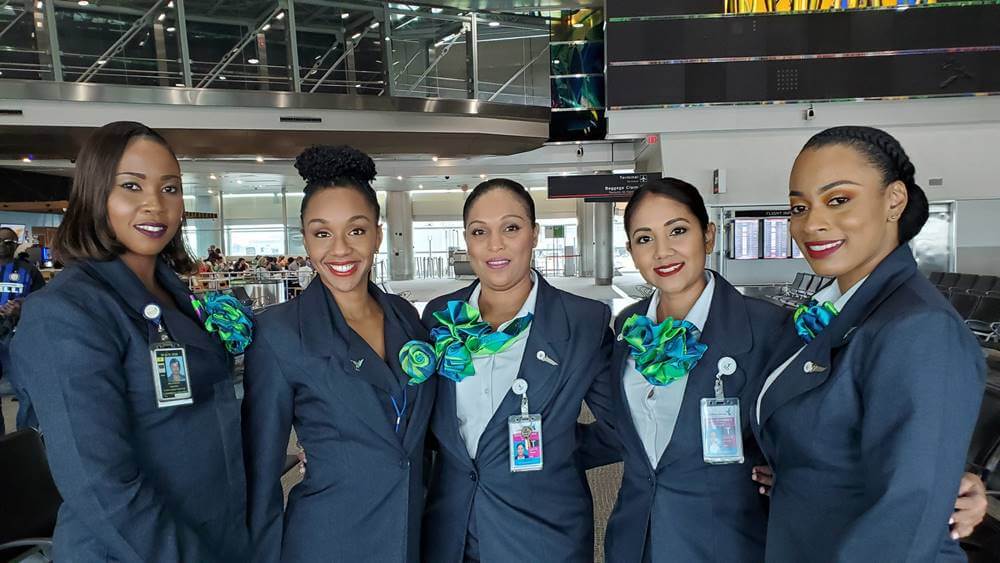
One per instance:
(324,333)
(814,365)
(129,289)
(445,415)
(619,359)
(400,329)
(727,334)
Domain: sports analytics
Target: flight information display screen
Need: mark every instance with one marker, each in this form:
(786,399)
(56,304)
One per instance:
(776,238)
(746,239)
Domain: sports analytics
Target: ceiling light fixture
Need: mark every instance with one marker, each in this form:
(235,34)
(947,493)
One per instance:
(161,17)
(345,15)
(482,176)
(27,159)
(266,27)
(170,4)
(494,24)
(434,158)
(83,3)
(212,177)
(280,16)
(421,186)
(253,61)
(399,178)
(239,182)
(171,29)
(355,36)
(260,158)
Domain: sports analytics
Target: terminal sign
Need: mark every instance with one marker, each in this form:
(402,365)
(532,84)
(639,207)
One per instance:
(599,187)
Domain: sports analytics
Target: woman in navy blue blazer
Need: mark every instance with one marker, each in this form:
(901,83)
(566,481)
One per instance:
(867,418)
(328,363)
(674,505)
(144,477)
(511,329)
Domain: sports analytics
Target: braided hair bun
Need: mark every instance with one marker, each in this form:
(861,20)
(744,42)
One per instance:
(325,165)
(885,153)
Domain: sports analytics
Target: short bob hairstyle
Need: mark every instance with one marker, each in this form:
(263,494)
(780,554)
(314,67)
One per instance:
(85,232)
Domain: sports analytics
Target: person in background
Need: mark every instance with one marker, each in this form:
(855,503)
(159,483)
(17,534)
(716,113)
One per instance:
(241,265)
(145,477)
(18,279)
(293,264)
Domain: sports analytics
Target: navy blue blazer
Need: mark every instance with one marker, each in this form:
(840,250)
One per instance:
(867,429)
(139,483)
(542,515)
(685,509)
(363,494)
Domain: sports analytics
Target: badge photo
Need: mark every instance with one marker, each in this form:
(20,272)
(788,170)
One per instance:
(525,442)
(170,376)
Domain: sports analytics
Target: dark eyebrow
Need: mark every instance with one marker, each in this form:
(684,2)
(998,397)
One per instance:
(667,224)
(514,215)
(136,174)
(826,188)
(359,217)
(317,220)
(169,176)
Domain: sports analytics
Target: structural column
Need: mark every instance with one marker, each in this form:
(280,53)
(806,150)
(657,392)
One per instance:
(603,242)
(399,229)
(585,236)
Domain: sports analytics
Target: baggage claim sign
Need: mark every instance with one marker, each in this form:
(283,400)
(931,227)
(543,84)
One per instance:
(598,187)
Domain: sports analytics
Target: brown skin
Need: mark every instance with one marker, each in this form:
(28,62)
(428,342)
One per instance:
(835,194)
(664,233)
(340,228)
(498,228)
(147,191)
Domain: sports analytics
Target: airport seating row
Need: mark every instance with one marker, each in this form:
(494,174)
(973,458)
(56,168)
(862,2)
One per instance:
(976,298)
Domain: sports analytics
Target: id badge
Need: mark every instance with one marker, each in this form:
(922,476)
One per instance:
(9,287)
(721,431)
(170,375)
(525,442)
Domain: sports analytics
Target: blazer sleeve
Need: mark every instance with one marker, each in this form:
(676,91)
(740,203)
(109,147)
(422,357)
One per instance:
(80,397)
(599,442)
(267,424)
(922,384)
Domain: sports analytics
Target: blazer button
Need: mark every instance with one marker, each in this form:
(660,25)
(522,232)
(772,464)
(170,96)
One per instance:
(473,476)
(404,463)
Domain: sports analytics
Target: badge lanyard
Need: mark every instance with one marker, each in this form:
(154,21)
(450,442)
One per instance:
(171,376)
(400,412)
(525,431)
(721,425)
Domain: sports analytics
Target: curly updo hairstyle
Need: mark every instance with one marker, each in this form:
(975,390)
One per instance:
(885,153)
(325,166)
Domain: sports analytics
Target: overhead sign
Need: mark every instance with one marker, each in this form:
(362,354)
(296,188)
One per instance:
(599,187)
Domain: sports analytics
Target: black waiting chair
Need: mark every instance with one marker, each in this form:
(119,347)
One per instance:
(936,277)
(949,280)
(984,320)
(984,284)
(984,460)
(28,496)
(965,282)
(964,303)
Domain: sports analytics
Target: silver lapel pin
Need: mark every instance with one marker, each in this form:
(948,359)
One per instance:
(357,364)
(544,358)
(811,367)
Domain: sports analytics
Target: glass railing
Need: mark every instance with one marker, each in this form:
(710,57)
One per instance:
(358,47)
